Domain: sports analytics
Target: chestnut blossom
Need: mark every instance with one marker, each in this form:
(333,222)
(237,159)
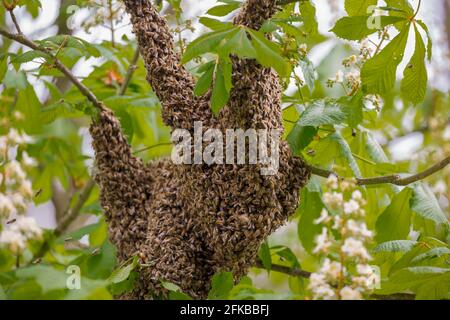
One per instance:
(348,293)
(332,269)
(351,207)
(333,200)
(324,217)
(28,227)
(332,182)
(6,206)
(14,240)
(323,243)
(355,248)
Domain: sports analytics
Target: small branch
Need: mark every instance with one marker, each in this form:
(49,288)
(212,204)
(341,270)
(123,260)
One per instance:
(68,217)
(392,179)
(14,20)
(296,272)
(153,146)
(20,38)
(130,73)
(72,213)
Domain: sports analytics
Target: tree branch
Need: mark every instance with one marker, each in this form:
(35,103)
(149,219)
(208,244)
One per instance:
(392,179)
(20,38)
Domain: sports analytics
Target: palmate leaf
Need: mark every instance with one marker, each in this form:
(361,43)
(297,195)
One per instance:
(240,45)
(357,28)
(378,74)
(415,77)
(207,43)
(358,7)
(394,222)
(268,53)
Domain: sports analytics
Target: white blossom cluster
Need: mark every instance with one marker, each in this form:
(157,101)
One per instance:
(18,232)
(16,192)
(345,273)
(351,78)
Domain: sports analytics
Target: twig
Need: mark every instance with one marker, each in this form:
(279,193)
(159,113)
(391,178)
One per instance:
(130,73)
(57,63)
(296,272)
(72,213)
(152,146)
(14,20)
(392,179)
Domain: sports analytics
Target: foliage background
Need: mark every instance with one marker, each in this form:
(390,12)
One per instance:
(405,134)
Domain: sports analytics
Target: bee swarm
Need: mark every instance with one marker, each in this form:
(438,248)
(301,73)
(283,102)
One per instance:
(187,222)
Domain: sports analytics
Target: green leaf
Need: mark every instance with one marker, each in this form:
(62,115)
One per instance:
(415,77)
(240,45)
(207,42)
(429,39)
(214,24)
(223,10)
(353,109)
(424,203)
(321,112)
(221,285)
(433,253)
(308,13)
(403,5)
(394,223)
(30,56)
(268,54)
(378,74)
(204,82)
(265,256)
(357,28)
(395,246)
(220,92)
(15,79)
(310,207)
(346,153)
(122,274)
(431,280)
(359,7)
(309,72)
(400,8)
(300,137)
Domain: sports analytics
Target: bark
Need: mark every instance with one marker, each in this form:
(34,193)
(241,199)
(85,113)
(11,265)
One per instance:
(187,222)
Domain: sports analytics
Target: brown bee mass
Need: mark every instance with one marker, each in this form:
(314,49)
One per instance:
(187,222)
